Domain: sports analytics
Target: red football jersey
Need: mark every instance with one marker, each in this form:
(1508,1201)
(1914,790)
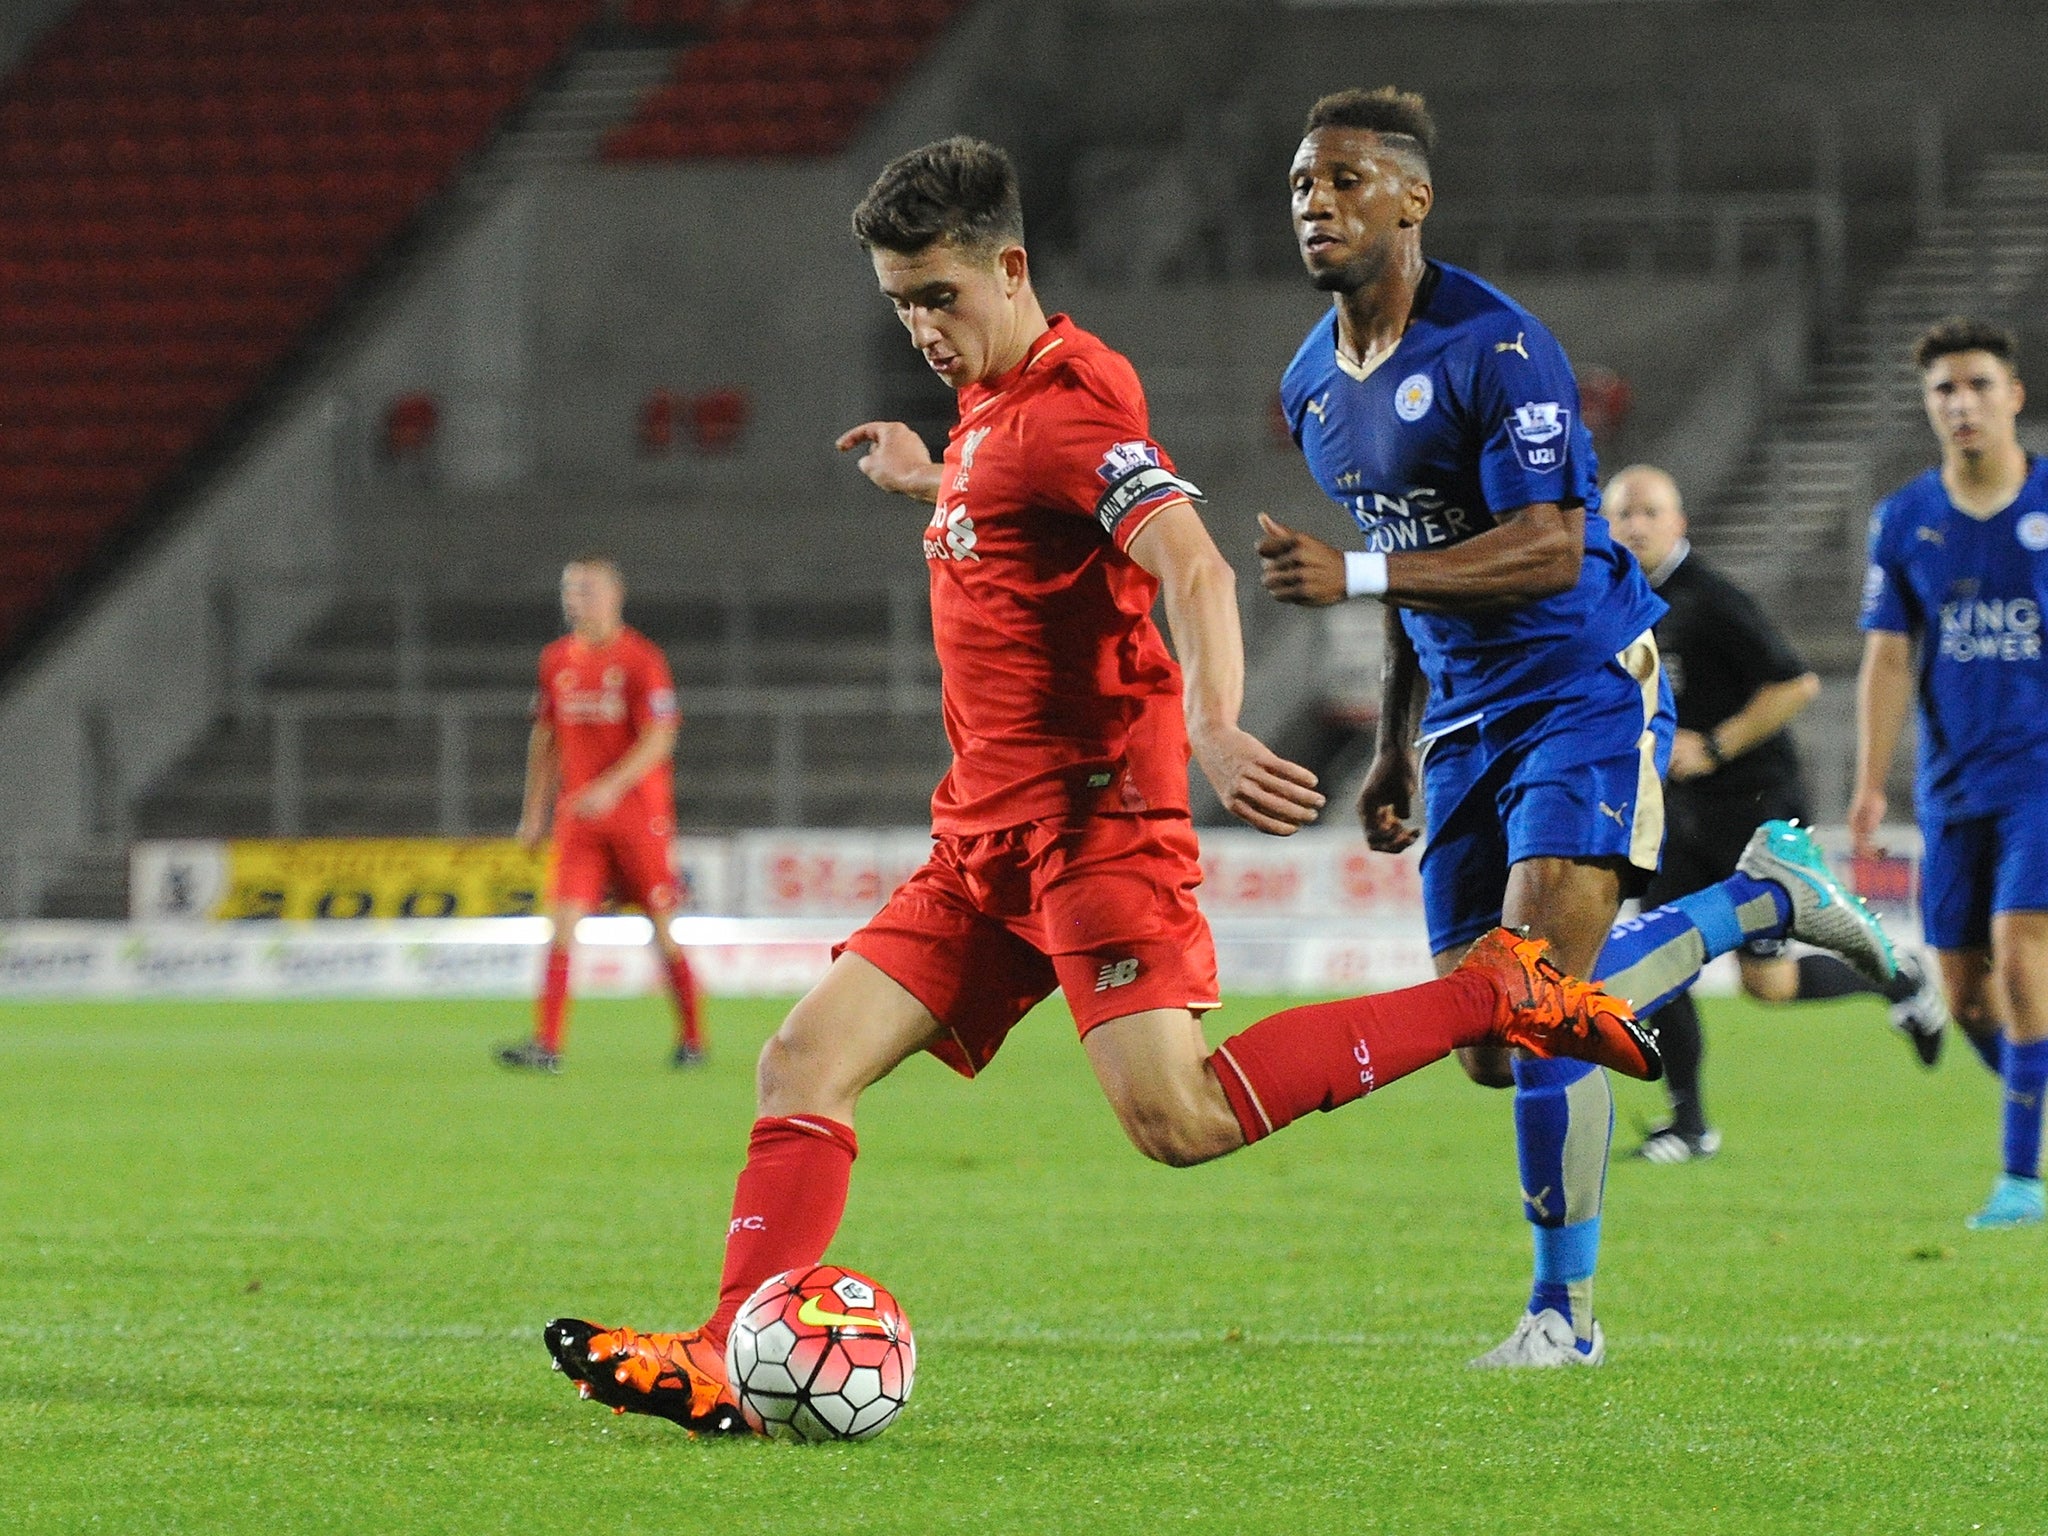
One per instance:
(1061,699)
(598,699)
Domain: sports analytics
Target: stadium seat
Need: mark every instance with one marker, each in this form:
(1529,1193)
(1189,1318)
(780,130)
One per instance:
(185,189)
(781,78)
(410,424)
(718,419)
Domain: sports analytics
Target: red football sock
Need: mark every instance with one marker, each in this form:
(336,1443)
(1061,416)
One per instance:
(790,1197)
(1327,1054)
(554,1001)
(689,1021)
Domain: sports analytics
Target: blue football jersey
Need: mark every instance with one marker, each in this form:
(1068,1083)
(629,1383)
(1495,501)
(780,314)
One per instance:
(1970,591)
(1474,413)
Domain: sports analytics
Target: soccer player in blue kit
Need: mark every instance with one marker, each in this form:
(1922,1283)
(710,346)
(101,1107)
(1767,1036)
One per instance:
(1959,567)
(1522,687)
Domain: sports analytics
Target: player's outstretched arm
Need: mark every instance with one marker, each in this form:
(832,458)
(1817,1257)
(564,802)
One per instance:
(895,458)
(1884,692)
(1255,784)
(1534,552)
(1387,799)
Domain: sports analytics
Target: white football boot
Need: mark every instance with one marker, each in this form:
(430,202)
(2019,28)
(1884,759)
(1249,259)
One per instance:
(1543,1339)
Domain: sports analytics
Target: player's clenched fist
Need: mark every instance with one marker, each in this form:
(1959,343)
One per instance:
(896,458)
(1256,785)
(1298,568)
(1387,801)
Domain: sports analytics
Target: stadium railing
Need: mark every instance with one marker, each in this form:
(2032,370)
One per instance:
(788,713)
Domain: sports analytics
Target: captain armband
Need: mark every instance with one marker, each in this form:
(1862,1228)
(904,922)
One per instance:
(1141,486)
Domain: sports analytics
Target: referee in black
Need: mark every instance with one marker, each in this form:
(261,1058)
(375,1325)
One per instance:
(1738,684)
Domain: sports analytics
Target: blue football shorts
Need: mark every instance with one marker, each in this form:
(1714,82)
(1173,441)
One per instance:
(1577,773)
(1973,868)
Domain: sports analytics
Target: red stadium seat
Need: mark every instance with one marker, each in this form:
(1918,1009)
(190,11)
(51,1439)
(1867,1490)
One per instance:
(185,188)
(410,424)
(718,419)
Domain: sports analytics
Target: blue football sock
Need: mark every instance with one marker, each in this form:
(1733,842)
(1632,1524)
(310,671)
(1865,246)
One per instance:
(1990,1050)
(2026,1074)
(1564,1125)
(1652,958)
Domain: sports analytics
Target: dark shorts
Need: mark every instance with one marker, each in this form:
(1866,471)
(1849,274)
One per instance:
(1705,833)
(1578,775)
(1973,868)
(1104,910)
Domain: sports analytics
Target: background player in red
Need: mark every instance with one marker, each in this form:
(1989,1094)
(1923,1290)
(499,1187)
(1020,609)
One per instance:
(604,735)
(1063,853)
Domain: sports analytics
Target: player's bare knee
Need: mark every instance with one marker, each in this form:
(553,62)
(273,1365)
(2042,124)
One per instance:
(793,1070)
(1175,1131)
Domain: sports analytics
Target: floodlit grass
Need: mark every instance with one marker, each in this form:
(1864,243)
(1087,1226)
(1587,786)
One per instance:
(283,1268)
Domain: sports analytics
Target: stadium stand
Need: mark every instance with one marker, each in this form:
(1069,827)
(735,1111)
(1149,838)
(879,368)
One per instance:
(776,77)
(609,370)
(405,713)
(185,191)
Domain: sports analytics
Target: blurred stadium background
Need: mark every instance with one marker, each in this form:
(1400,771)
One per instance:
(327,333)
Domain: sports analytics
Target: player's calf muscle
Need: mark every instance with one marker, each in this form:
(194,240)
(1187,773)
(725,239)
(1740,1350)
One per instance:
(1155,1072)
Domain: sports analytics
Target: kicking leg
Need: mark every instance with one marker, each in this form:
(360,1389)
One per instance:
(1181,1104)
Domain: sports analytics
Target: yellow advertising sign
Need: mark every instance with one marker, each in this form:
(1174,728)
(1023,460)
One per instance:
(305,878)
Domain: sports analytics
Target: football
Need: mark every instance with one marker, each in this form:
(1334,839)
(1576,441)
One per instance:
(821,1354)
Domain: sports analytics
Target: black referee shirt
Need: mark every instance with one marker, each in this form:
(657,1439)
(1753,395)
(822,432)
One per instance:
(1718,650)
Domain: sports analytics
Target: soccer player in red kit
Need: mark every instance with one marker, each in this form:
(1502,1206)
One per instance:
(1063,853)
(604,734)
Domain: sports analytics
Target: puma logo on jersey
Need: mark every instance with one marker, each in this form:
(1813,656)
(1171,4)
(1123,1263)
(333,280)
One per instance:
(1316,408)
(1620,817)
(1117,973)
(950,534)
(1514,346)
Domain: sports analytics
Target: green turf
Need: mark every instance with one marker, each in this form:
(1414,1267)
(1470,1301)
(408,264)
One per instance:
(283,1268)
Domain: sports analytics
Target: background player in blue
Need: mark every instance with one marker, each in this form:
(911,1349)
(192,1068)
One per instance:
(1521,666)
(1959,569)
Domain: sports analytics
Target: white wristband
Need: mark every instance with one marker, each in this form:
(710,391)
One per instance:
(1365,573)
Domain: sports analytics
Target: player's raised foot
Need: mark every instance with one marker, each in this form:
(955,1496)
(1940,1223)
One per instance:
(1668,1144)
(687,1055)
(1543,1339)
(2014,1202)
(528,1056)
(1923,1017)
(676,1376)
(1825,913)
(1548,1013)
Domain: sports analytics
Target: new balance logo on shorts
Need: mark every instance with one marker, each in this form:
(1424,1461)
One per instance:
(1117,973)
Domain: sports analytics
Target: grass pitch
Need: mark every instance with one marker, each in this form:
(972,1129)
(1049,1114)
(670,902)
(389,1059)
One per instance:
(283,1268)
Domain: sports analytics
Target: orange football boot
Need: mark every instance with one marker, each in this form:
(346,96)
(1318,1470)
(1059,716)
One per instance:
(1548,1013)
(677,1376)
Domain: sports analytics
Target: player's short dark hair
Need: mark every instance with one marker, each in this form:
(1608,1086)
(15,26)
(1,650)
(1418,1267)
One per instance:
(961,190)
(1397,116)
(601,561)
(1959,333)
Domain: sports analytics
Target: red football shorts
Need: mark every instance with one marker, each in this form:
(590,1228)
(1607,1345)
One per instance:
(628,860)
(992,923)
